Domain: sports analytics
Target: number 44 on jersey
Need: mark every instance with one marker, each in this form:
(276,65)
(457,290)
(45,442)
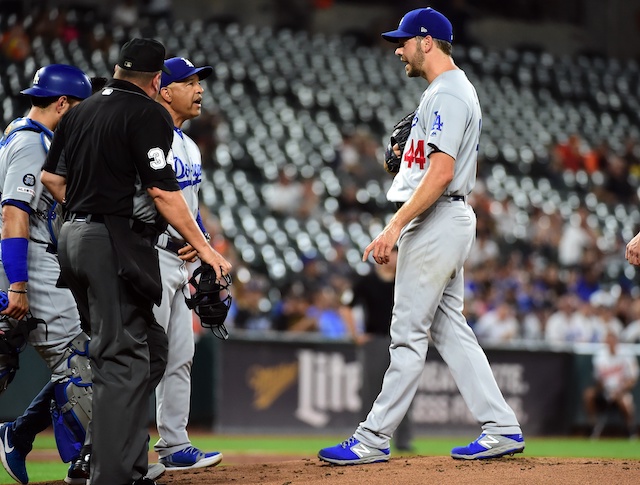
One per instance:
(415,154)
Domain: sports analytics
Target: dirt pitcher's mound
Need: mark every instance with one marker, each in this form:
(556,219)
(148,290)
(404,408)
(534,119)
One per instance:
(414,470)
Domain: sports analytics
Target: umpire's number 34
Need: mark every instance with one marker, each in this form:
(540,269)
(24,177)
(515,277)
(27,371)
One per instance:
(157,158)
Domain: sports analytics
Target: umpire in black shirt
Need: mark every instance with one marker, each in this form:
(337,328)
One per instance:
(120,193)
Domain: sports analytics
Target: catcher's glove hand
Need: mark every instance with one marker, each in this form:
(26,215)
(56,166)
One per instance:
(399,137)
(211,300)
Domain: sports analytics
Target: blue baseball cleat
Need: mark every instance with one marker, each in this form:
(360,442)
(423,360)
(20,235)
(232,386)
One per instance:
(190,457)
(12,459)
(352,452)
(490,446)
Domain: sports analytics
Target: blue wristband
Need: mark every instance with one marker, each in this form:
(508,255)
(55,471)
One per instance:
(14,258)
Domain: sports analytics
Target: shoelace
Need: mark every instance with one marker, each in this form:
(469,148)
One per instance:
(349,442)
(192,450)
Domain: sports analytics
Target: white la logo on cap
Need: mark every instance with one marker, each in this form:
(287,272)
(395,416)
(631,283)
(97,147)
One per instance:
(187,62)
(36,78)
(423,29)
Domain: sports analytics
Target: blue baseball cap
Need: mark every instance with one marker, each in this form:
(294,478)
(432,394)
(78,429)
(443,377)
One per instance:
(422,22)
(180,69)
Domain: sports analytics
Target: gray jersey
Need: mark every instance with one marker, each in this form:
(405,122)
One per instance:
(448,107)
(22,155)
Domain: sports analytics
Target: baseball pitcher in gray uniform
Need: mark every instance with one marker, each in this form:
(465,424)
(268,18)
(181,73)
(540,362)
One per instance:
(434,229)
(28,251)
(181,95)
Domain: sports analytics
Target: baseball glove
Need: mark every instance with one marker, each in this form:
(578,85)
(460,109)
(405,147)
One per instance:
(211,300)
(399,137)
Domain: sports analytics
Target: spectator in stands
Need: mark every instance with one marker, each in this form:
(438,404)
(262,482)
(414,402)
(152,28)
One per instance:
(284,196)
(534,323)
(15,44)
(587,280)
(598,158)
(576,237)
(358,160)
(497,326)
(485,249)
(617,186)
(292,307)
(125,14)
(549,283)
(253,309)
(631,155)
(604,309)
(559,326)
(347,156)
(631,333)
(615,373)
(545,232)
(569,154)
(323,316)
(585,326)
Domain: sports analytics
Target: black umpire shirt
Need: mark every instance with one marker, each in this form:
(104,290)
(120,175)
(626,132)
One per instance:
(116,145)
(111,148)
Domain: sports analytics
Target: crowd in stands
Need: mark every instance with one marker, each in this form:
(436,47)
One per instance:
(536,272)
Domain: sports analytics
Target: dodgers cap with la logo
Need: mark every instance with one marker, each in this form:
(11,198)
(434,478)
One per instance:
(181,69)
(422,22)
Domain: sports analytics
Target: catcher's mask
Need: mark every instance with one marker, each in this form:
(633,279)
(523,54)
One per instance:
(211,300)
(12,342)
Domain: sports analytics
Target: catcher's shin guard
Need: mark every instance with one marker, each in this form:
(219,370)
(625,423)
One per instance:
(71,408)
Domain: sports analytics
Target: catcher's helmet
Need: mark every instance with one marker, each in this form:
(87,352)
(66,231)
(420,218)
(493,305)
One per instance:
(59,80)
(211,300)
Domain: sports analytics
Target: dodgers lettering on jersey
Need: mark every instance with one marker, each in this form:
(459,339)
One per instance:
(187,165)
(447,107)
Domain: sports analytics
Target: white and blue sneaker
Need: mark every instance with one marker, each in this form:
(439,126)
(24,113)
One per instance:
(12,459)
(490,446)
(190,457)
(352,452)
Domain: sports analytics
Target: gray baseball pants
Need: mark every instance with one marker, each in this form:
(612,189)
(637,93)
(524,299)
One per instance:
(429,298)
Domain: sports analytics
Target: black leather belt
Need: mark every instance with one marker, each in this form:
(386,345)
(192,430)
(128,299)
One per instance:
(83,217)
(172,245)
(441,198)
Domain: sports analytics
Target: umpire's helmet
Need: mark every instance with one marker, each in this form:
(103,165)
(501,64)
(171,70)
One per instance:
(59,80)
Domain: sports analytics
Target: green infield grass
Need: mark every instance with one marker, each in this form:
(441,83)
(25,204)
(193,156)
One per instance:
(308,446)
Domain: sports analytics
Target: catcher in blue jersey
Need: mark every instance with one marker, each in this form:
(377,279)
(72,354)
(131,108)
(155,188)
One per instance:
(29,273)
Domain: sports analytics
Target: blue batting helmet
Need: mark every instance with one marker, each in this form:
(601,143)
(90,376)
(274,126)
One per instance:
(59,80)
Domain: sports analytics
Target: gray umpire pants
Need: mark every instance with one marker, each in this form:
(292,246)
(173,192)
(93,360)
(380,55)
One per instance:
(120,321)
(429,298)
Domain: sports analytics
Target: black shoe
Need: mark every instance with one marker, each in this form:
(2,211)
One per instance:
(144,481)
(78,473)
